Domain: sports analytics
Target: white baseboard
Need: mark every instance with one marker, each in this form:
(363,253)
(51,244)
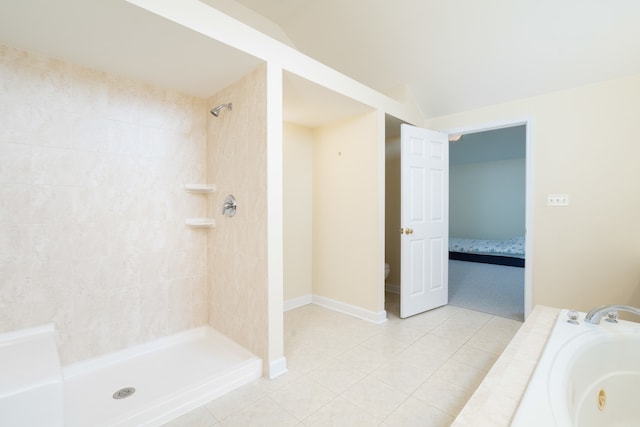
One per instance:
(331,304)
(290,304)
(351,310)
(278,367)
(394,289)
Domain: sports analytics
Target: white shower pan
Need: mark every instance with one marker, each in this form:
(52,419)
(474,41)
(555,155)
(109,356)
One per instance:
(171,376)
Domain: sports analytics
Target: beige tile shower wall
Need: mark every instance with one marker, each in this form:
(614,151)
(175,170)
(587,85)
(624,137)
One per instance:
(237,164)
(92,235)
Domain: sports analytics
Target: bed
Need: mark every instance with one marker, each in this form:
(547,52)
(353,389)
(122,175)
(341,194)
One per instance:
(508,252)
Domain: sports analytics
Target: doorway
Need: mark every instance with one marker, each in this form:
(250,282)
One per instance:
(392,203)
(487,196)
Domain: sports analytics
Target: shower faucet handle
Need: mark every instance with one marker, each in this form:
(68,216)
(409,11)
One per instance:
(229,207)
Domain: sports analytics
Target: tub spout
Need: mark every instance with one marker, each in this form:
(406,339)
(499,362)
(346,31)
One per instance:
(594,315)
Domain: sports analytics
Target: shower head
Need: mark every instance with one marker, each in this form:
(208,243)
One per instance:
(216,111)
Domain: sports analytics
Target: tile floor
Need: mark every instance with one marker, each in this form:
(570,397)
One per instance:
(344,371)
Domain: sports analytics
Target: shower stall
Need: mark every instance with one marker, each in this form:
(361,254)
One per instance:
(150,316)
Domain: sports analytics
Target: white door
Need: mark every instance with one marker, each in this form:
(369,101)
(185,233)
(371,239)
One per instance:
(424,220)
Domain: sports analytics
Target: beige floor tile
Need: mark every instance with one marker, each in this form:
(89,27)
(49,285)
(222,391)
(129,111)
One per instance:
(460,375)
(337,375)
(306,359)
(475,357)
(236,400)
(404,376)
(426,322)
(437,347)
(341,413)
(464,314)
(423,357)
(263,413)
(332,344)
(344,371)
(375,397)
(460,329)
(445,396)
(302,398)
(384,346)
(366,359)
(400,332)
(500,323)
(415,413)
(264,386)
(271,385)
(491,340)
(200,417)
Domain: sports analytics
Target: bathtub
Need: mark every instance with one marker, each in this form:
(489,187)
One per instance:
(588,376)
(146,385)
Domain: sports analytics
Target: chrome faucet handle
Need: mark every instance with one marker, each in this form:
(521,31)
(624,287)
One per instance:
(612,316)
(229,207)
(572,316)
(611,311)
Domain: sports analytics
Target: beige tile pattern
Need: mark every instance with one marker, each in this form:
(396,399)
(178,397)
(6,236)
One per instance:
(348,372)
(237,164)
(92,235)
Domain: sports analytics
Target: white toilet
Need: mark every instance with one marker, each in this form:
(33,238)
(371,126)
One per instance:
(386,270)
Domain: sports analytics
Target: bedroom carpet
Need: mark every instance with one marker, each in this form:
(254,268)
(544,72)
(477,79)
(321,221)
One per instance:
(494,289)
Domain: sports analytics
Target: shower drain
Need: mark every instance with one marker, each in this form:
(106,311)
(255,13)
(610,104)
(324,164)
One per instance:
(124,393)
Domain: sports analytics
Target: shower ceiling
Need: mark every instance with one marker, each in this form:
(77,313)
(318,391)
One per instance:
(497,50)
(120,38)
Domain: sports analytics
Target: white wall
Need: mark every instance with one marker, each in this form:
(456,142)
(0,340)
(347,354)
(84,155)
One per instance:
(585,144)
(487,199)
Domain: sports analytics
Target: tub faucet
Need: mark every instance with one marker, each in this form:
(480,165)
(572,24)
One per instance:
(594,315)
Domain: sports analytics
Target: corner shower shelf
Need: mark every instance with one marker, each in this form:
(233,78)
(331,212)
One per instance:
(200,222)
(200,188)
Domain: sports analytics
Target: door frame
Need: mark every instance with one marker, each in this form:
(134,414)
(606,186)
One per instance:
(527,121)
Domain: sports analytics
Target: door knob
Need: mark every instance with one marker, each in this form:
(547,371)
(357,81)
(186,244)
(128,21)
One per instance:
(408,231)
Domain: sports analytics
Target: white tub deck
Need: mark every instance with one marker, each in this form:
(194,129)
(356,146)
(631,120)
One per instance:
(171,376)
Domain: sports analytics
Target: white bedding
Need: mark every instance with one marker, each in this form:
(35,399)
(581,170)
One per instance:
(510,247)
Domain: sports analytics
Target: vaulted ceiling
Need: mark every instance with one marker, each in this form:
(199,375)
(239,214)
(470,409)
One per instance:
(455,55)
(446,56)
